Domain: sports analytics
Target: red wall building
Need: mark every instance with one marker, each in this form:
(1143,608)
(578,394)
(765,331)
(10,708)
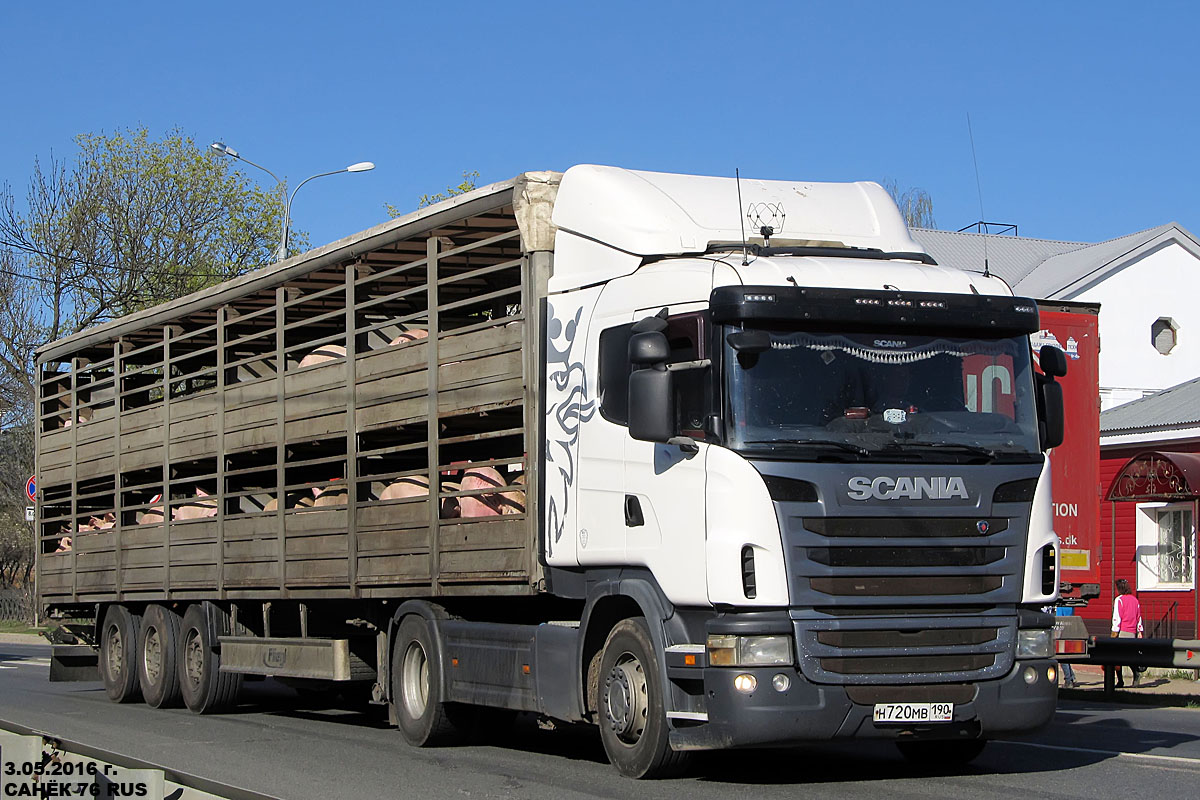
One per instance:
(1151,540)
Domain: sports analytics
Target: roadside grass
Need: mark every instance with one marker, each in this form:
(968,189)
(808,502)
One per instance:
(17,626)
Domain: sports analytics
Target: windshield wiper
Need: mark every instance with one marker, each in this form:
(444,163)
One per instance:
(959,446)
(847,446)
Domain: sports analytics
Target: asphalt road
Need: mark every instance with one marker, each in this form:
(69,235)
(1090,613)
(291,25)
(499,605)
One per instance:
(281,744)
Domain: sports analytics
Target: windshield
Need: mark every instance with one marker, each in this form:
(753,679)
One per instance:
(884,397)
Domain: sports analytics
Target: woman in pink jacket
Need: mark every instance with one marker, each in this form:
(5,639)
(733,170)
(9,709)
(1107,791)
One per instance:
(1126,621)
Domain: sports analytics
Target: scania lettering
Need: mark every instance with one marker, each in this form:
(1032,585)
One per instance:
(885,488)
(569,444)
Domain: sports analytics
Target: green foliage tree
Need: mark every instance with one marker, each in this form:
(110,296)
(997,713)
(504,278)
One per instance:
(468,183)
(916,206)
(130,221)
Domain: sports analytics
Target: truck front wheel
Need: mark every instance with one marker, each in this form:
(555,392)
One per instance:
(204,687)
(416,686)
(158,650)
(118,654)
(633,721)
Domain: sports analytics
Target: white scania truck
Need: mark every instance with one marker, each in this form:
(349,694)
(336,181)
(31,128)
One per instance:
(709,464)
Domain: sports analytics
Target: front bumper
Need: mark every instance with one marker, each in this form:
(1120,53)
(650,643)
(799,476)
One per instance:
(808,711)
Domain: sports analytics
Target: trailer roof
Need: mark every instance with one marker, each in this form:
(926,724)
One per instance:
(478,201)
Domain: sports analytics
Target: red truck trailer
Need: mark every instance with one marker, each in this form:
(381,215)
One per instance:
(1075,464)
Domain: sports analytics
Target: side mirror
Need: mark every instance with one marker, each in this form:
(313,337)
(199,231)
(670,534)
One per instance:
(1053,361)
(651,409)
(1052,423)
(749,342)
(648,348)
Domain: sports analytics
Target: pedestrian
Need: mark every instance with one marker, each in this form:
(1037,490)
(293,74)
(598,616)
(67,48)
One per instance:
(1126,621)
(1068,672)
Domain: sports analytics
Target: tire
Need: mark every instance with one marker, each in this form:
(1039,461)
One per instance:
(422,714)
(118,654)
(944,753)
(633,721)
(158,654)
(205,689)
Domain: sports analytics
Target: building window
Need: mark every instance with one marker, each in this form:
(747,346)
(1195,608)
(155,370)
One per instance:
(1164,335)
(1166,546)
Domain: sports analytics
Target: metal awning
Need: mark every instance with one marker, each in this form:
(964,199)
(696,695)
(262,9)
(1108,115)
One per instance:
(1158,475)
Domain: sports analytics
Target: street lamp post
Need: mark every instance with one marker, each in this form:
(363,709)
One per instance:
(226,150)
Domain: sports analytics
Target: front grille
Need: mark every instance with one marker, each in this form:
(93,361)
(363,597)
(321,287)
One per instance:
(957,693)
(887,586)
(898,638)
(893,665)
(895,650)
(905,556)
(907,528)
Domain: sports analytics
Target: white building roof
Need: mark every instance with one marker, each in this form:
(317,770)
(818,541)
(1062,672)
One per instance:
(1048,269)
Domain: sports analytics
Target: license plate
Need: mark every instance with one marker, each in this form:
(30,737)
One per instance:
(914,712)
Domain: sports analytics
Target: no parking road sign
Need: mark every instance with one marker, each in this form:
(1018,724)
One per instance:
(31,488)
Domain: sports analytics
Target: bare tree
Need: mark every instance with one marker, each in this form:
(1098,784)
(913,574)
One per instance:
(916,206)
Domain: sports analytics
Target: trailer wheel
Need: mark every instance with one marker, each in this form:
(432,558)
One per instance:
(204,687)
(118,654)
(422,714)
(158,650)
(953,753)
(633,721)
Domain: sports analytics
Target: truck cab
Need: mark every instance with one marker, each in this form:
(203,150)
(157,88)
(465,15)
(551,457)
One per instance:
(822,451)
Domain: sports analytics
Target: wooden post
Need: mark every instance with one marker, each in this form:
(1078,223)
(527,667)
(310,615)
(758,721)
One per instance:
(280,444)
(351,433)
(220,440)
(432,432)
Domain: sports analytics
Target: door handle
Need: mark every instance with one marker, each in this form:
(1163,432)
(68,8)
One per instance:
(633,512)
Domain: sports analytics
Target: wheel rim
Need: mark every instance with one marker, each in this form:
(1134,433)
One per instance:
(627,699)
(414,678)
(115,660)
(194,658)
(152,655)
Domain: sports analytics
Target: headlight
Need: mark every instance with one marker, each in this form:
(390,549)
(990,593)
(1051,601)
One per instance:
(1035,644)
(727,650)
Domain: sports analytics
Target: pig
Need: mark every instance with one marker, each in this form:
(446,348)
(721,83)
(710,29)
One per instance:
(324,353)
(488,505)
(410,486)
(64,545)
(410,335)
(329,495)
(199,507)
(103,523)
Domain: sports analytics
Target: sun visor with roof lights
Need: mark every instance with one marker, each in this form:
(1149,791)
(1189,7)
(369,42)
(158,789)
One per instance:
(974,315)
(648,214)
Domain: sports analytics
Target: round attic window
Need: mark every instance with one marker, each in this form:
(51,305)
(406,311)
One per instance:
(1164,335)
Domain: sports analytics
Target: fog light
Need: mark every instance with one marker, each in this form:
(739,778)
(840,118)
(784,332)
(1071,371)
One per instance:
(1030,675)
(781,682)
(1052,674)
(745,683)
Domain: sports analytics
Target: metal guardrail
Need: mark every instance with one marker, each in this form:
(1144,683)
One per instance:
(51,766)
(1181,653)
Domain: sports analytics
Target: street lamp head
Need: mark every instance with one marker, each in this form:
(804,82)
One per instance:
(224,149)
(362,166)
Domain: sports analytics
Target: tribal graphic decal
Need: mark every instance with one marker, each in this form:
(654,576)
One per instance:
(567,406)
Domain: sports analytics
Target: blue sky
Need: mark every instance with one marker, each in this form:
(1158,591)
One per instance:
(1084,114)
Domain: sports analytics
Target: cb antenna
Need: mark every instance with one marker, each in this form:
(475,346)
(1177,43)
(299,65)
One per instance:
(737,176)
(979,189)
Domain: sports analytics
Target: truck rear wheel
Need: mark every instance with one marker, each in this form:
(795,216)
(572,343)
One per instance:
(416,686)
(952,753)
(633,720)
(158,652)
(204,687)
(118,654)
